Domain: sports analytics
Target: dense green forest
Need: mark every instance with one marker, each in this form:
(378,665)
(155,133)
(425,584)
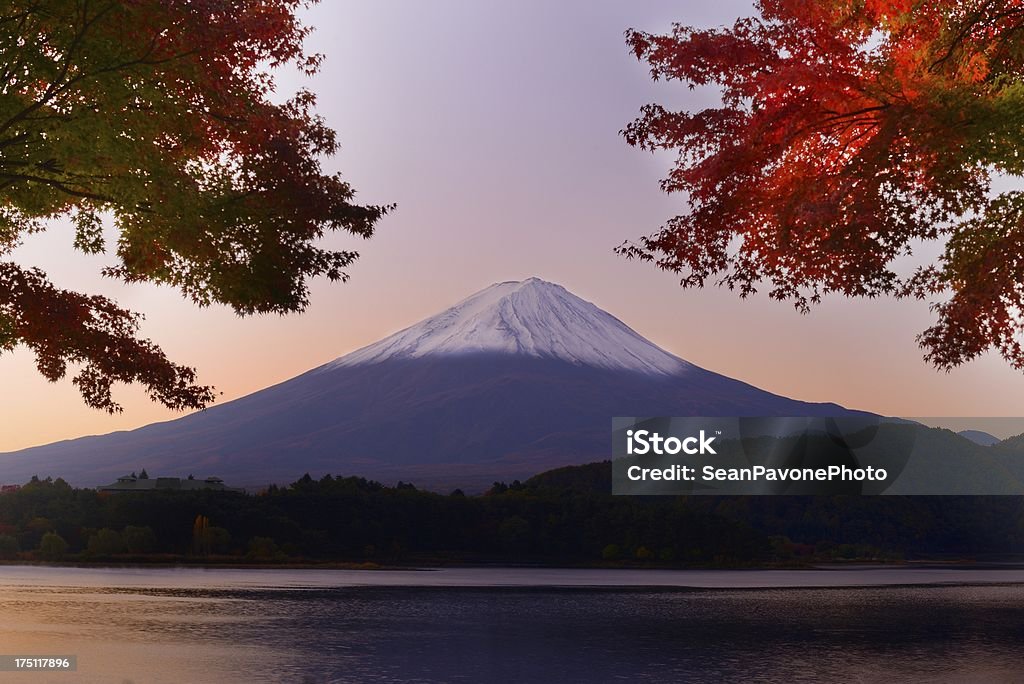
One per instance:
(565,516)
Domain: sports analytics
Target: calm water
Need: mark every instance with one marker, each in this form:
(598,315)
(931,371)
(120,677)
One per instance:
(478,625)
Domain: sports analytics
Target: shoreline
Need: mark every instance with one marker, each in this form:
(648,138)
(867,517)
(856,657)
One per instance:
(426,566)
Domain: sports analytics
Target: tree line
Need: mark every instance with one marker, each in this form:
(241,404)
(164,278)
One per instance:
(566,516)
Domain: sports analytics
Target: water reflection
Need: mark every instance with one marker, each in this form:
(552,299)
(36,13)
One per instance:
(164,626)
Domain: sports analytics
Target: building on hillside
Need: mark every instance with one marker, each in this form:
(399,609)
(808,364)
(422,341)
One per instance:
(134,483)
(7,489)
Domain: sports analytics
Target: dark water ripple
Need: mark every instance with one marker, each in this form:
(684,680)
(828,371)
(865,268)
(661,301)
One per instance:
(953,633)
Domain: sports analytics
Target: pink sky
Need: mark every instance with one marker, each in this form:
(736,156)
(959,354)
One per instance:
(494,126)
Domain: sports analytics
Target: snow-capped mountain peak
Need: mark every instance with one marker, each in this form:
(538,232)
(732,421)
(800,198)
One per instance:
(532,317)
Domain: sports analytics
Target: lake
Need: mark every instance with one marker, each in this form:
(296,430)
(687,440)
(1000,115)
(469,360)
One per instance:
(530,625)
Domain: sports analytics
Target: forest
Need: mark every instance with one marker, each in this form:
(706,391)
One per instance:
(562,517)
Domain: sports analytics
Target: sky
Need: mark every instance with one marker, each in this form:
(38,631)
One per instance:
(494,125)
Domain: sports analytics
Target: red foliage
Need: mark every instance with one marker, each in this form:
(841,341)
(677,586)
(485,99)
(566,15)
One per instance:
(848,133)
(157,114)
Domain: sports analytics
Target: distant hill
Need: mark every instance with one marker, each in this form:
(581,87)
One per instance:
(1016,442)
(591,477)
(979,437)
(973,467)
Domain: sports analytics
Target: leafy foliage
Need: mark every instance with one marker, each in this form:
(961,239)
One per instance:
(849,132)
(155,116)
(562,516)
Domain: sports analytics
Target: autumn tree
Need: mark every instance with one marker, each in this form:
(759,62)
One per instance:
(850,133)
(155,118)
(52,546)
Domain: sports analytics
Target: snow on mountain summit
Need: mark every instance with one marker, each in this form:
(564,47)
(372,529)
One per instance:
(531,317)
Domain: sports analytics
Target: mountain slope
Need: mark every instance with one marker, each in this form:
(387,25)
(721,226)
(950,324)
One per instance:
(519,378)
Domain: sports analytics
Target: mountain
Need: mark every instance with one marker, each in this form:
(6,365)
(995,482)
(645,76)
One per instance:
(979,437)
(519,378)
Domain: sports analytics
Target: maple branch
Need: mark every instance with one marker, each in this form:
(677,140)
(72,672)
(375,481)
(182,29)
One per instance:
(969,26)
(13,178)
(56,87)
